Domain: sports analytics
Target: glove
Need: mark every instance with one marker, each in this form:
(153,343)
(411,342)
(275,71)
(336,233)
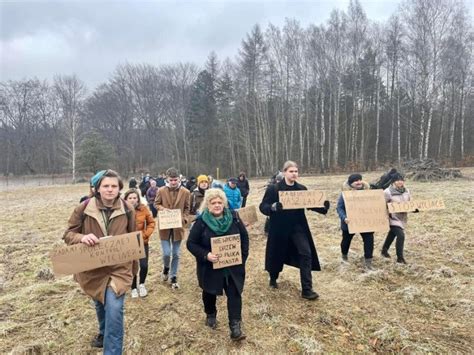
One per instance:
(327,204)
(277,207)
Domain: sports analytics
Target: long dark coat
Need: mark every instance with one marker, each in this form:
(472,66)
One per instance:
(199,244)
(280,249)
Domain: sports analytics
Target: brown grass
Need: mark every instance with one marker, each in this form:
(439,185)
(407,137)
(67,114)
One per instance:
(426,306)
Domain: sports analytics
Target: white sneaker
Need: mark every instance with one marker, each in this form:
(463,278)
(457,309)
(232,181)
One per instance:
(164,277)
(142,290)
(134,293)
(174,283)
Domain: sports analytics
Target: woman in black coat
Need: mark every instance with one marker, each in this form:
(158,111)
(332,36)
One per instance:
(289,238)
(217,220)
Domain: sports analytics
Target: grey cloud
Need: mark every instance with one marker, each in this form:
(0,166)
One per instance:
(90,38)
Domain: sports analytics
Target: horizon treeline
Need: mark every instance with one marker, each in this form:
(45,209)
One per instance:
(346,94)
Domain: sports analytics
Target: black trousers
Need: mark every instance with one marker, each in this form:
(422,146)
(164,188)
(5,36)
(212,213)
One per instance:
(368,239)
(244,201)
(143,268)
(153,210)
(234,301)
(301,243)
(395,232)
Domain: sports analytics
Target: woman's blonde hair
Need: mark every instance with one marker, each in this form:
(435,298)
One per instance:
(210,195)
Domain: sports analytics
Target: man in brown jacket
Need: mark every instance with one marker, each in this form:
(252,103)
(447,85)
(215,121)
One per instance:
(104,214)
(172,196)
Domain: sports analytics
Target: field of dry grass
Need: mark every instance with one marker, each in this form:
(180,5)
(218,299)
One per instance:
(425,306)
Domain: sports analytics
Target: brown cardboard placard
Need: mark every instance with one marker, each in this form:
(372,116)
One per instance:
(366,211)
(421,205)
(248,214)
(72,259)
(228,249)
(301,199)
(169,219)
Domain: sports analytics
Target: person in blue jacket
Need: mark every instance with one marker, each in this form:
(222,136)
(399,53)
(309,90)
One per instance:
(232,192)
(354,182)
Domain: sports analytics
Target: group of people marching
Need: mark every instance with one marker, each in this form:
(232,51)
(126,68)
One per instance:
(212,211)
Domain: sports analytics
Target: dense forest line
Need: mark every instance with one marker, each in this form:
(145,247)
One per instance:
(348,93)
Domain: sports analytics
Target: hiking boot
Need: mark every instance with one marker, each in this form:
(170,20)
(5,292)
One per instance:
(401,260)
(273,283)
(174,283)
(309,295)
(385,253)
(368,264)
(211,320)
(98,341)
(165,274)
(134,293)
(345,258)
(235,331)
(142,290)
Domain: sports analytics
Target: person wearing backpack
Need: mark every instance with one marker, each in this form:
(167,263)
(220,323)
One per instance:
(354,182)
(215,220)
(104,214)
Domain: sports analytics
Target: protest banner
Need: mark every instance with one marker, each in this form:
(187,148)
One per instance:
(366,211)
(169,219)
(227,249)
(421,205)
(248,214)
(301,199)
(72,259)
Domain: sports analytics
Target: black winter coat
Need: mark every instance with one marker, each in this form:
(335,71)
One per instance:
(280,249)
(244,187)
(199,244)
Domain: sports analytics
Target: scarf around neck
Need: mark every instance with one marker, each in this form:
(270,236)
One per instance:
(218,225)
(394,189)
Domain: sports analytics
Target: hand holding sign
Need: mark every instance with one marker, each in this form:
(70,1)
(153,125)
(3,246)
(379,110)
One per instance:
(170,219)
(228,251)
(301,199)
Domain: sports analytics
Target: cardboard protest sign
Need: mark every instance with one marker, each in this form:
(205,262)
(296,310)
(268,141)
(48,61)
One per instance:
(228,249)
(248,214)
(366,211)
(169,219)
(301,199)
(421,205)
(72,259)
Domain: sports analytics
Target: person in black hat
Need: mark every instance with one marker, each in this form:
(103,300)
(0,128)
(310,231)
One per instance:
(396,192)
(354,182)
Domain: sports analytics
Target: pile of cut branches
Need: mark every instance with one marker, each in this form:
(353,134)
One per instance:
(429,170)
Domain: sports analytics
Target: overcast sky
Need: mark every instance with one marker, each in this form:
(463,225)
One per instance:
(89,38)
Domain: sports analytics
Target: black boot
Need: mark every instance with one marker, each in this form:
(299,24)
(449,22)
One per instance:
(98,341)
(235,331)
(309,295)
(401,260)
(211,320)
(385,253)
(273,283)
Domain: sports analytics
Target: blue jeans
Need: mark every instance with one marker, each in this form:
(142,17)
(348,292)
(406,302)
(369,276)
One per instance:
(168,246)
(110,317)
